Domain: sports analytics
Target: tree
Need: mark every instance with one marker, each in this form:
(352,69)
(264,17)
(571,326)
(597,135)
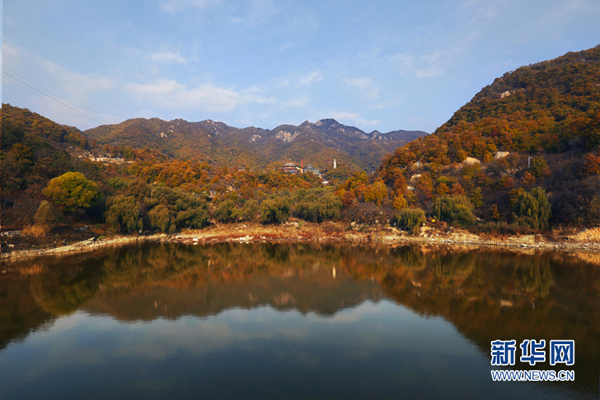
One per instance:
(276,210)
(376,192)
(454,210)
(316,205)
(123,214)
(162,218)
(73,192)
(43,220)
(225,211)
(531,209)
(193,217)
(248,211)
(399,202)
(44,216)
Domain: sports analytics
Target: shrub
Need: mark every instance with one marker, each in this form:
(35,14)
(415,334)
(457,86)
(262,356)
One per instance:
(369,213)
(411,219)
(37,231)
(454,210)
(44,216)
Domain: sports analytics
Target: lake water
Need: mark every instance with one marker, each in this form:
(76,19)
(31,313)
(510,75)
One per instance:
(274,321)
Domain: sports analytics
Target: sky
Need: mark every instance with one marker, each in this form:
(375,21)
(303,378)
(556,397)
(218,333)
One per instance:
(376,65)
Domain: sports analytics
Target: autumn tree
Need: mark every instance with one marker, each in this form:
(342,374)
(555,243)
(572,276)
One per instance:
(73,192)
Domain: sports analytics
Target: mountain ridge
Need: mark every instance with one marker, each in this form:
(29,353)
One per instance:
(215,141)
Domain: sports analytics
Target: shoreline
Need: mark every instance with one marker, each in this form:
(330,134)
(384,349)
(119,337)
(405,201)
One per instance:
(327,232)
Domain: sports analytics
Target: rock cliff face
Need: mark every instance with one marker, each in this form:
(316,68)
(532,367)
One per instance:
(317,143)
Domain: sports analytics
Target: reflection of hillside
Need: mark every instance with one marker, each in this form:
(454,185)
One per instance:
(172,281)
(486,295)
(19,312)
(34,299)
(304,291)
(499,295)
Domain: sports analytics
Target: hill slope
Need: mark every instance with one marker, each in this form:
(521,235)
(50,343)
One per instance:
(546,115)
(33,150)
(551,106)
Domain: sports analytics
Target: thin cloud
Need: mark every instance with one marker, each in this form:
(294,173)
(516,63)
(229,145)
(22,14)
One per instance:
(299,80)
(170,94)
(173,6)
(10,52)
(298,102)
(352,117)
(401,62)
(167,57)
(435,63)
(311,78)
(76,84)
(363,84)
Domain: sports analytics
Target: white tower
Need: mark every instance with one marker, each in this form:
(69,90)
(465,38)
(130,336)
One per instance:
(334,164)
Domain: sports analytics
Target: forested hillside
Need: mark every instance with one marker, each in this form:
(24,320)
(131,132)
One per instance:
(535,127)
(33,150)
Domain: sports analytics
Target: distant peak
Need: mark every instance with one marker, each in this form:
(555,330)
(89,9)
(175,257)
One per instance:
(326,121)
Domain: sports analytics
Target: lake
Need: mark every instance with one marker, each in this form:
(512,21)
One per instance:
(293,321)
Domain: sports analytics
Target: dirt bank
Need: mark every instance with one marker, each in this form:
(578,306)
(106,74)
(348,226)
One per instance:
(585,242)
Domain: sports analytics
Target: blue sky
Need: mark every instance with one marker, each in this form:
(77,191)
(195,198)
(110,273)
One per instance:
(382,65)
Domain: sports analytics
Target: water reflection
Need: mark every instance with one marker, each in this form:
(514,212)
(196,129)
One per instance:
(322,311)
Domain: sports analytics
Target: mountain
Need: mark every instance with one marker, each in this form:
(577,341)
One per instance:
(536,126)
(316,143)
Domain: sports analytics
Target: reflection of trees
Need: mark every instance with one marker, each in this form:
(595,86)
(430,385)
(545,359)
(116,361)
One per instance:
(453,268)
(412,257)
(535,278)
(59,297)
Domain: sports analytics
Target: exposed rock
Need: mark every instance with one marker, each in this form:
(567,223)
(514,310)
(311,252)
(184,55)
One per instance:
(286,136)
(471,161)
